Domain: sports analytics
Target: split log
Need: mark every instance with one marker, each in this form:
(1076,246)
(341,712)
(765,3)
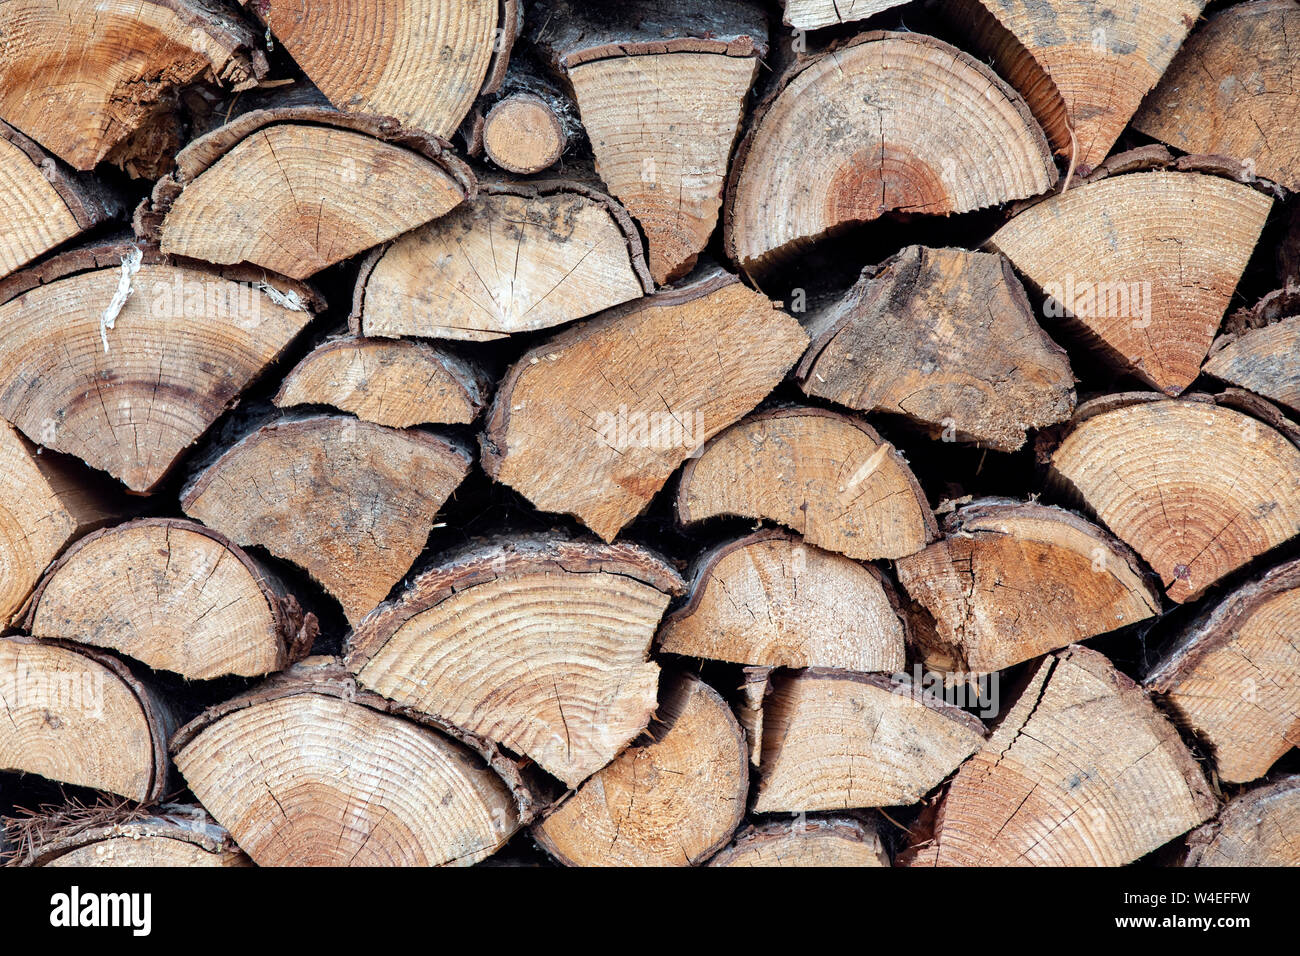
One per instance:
(1257,828)
(655,805)
(1261,359)
(770,600)
(1195,488)
(1082,771)
(307,777)
(43,506)
(566,252)
(176,836)
(421,61)
(661,88)
(834,740)
(392,383)
(349,501)
(813,14)
(128,396)
(1142,265)
(42,204)
(858,132)
(946,338)
(749,709)
(523,134)
(1083,68)
(79,716)
(828,841)
(628,396)
(540,644)
(92,81)
(826,475)
(1234,675)
(176,596)
(298,188)
(1012,580)
(1234,90)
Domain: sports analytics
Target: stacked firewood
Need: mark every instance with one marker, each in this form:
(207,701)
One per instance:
(652,432)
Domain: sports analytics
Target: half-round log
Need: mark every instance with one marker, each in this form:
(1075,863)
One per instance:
(1256,828)
(176,836)
(820,842)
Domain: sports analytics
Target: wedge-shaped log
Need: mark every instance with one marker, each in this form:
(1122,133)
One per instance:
(297,189)
(388,382)
(350,501)
(1195,488)
(661,90)
(540,644)
(812,14)
(945,337)
(1256,828)
(306,778)
(826,475)
(1234,90)
(176,835)
(1234,675)
(1142,265)
(130,397)
(422,61)
(622,400)
(1261,359)
(654,805)
(1012,580)
(79,716)
(824,841)
(92,80)
(42,204)
(747,704)
(520,257)
(1083,68)
(859,132)
(176,596)
(1082,771)
(834,740)
(42,507)
(770,600)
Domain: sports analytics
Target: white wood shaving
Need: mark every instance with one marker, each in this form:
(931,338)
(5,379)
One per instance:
(130,266)
(286,300)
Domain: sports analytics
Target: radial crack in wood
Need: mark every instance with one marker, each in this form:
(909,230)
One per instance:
(79,716)
(1195,488)
(848,137)
(1142,265)
(1012,580)
(672,799)
(310,779)
(834,740)
(1233,675)
(176,596)
(350,501)
(129,397)
(1256,828)
(627,397)
(538,643)
(947,338)
(814,14)
(176,836)
(1082,771)
(826,475)
(521,257)
(770,600)
(388,382)
(1234,90)
(820,842)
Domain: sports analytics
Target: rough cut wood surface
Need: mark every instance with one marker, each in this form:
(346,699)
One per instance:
(856,133)
(626,397)
(1256,828)
(770,600)
(673,798)
(1012,580)
(946,338)
(820,842)
(826,475)
(1233,675)
(176,596)
(1082,771)
(540,644)
(350,501)
(522,134)
(1261,360)
(812,14)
